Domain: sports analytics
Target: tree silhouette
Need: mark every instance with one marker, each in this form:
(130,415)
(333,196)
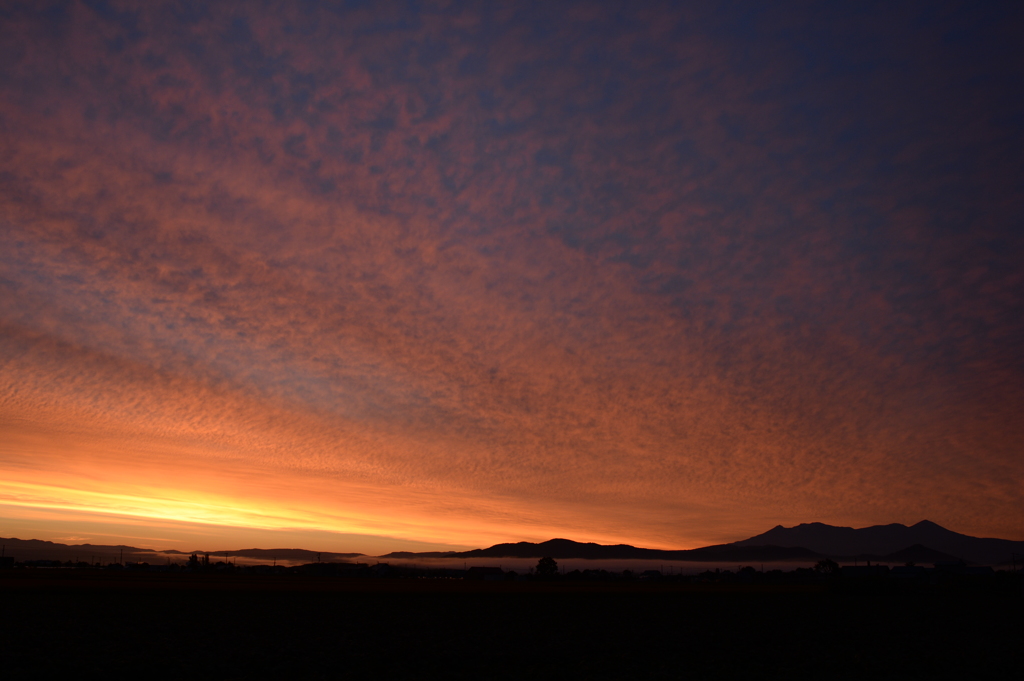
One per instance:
(547,567)
(827,567)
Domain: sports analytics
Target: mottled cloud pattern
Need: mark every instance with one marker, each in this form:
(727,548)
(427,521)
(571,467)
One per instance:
(464,273)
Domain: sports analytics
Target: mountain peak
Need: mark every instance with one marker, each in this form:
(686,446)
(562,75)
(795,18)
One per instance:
(928,524)
(557,541)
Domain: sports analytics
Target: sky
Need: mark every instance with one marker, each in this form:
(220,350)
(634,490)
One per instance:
(400,275)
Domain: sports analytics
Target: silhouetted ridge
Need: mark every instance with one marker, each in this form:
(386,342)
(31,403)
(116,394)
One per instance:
(923,542)
(279,554)
(883,540)
(38,549)
(562,549)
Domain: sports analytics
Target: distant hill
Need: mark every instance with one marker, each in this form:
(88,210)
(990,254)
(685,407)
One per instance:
(562,549)
(272,554)
(886,539)
(918,554)
(36,549)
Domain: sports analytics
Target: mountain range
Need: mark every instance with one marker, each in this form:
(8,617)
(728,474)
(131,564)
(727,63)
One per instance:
(885,539)
(924,542)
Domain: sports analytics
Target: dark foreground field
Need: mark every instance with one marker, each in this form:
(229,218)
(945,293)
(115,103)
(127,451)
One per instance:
(113,626)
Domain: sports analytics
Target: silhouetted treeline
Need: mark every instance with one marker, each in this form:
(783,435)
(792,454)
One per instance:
(825,573)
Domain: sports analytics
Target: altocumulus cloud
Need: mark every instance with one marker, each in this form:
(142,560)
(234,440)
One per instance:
(659,275)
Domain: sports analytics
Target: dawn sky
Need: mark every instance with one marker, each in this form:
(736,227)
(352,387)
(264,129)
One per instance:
(371,276)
